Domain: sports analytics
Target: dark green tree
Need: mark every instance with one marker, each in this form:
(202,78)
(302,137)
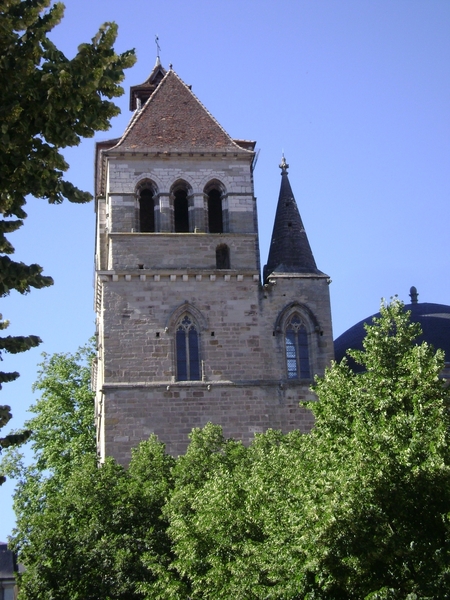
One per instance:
(102,535)
(204,515)
(359,508)
(13,345)
(11,439)
(234,514)
(47,102)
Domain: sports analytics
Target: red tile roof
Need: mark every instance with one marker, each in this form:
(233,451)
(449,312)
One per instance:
(174,120)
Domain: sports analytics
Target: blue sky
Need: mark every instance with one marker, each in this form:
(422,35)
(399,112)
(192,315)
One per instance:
(356,94)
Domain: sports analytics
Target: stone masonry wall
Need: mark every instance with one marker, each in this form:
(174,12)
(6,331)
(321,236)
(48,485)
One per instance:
(125,172)
(179,251)
(125,175)
(244,389)
(139,320)
(171,412)
(310,296)
(146,282)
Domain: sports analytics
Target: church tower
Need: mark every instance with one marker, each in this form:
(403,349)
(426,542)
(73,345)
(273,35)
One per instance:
(187,334)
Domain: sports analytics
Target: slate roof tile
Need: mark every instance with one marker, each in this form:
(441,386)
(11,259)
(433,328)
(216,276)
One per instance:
(289,251)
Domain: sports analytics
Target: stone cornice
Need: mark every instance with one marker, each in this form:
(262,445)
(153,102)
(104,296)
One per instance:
(149,152)
(173,275)
(206,384)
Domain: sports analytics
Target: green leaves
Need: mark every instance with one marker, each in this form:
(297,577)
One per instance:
(383,438)
(13,345)
(358,508)
(47,102)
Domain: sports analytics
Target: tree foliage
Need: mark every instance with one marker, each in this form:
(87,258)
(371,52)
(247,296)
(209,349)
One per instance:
(63,433)
(47,102)
(357,509)
(102,526)
(102,535)
(231,526)
(382,503)
(13,345)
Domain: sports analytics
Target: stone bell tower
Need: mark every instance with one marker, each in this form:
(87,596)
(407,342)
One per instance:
(187,333)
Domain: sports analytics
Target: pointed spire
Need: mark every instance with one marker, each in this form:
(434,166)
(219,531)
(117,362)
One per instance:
(290,251)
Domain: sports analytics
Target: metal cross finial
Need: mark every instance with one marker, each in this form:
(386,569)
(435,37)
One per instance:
(283,165)
(158,48)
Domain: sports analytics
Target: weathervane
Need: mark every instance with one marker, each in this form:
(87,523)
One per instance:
(158,48)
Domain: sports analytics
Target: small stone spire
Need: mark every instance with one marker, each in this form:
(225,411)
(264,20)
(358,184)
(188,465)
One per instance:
(413,294)
(290,251)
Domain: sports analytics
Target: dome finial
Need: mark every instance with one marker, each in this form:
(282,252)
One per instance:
(283,165)
(413,295)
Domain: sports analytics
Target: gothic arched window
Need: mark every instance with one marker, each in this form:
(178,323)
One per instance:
(296,345)
(187,350)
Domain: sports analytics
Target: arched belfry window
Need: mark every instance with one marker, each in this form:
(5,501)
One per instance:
(215,216)
(296,347)
(216,206)
(147,210)
(187,349)
(180,198)
(222,257)
(181,211)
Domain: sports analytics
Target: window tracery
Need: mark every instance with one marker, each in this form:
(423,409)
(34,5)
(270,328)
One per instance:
(296,348)
(187,350)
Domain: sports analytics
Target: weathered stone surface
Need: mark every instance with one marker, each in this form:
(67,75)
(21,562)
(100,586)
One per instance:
(146,282)
(132,414)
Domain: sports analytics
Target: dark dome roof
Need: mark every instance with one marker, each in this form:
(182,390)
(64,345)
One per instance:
(433,318)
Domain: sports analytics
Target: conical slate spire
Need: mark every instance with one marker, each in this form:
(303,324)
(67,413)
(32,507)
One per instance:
(290,251)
